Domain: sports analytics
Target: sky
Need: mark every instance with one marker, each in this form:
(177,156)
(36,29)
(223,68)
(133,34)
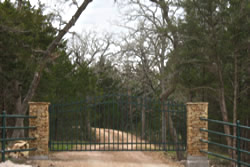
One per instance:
(100,15)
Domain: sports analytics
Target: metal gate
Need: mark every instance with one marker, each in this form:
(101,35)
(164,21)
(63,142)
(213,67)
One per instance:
(118,123)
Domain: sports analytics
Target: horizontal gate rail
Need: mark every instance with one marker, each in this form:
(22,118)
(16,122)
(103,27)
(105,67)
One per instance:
(18,127)
(17,116)
(4,138)
(15,139)
(238,138)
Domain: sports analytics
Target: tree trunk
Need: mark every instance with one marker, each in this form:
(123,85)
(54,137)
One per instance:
(143,118)
(173,133)
(89,131)
(87,119)
(224,114)
(19,4)
(180,154)
(165,95)
(19,121)
(163,128)
(235,100)
(130,110)
(48,57)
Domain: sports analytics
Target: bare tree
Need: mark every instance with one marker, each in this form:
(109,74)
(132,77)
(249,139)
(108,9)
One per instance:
(152,46)
(88,47)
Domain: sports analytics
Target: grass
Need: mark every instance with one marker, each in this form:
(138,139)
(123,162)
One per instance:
(61,147)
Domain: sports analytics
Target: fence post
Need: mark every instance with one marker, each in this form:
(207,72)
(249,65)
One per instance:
(194,157)
(238,143)
(41,133)
(3,135)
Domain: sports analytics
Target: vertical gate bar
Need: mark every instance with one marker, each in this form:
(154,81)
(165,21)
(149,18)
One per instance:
(54,128)
(69,108)
(79,126)
(160,123)
(169,138)
(122,125)
(151,114)
(127,119)
(113,112)
(76,127)
(131,126)
(75,147)
(149,121)
(177,125)
(81,110)
(117,123)
(140,109)
(50,123)
(58,132)
(98,110)
(166,112)
(174,112)
(104,123)
(117,116)
(146,123)
(89,121)
(135,125)
(160,136)
(75,135)
(3,136)
(160,133)
(238,144)
(95,126)
(108,125)
(145,126)
(180,126)
(69,128)
(62,132)
(49,128)
(170,117)
(55,145)
(85,109)
(185,125)
(58,137)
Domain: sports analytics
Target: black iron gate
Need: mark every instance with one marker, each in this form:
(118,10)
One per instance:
(118,123)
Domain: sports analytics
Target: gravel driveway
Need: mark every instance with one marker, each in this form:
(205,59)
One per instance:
(107,159)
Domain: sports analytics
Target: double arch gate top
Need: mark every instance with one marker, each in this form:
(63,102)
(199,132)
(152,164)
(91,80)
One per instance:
(118,123)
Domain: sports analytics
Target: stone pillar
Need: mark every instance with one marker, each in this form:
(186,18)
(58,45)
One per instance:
(41,133)
(194,157)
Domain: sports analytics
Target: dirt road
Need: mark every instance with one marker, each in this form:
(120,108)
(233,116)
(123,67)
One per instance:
(107,159)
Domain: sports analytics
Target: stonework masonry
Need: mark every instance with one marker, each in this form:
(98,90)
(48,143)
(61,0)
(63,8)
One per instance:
(194,145)
(41,133)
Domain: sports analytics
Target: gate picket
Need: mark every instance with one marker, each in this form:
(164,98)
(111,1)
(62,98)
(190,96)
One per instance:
(118,123)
